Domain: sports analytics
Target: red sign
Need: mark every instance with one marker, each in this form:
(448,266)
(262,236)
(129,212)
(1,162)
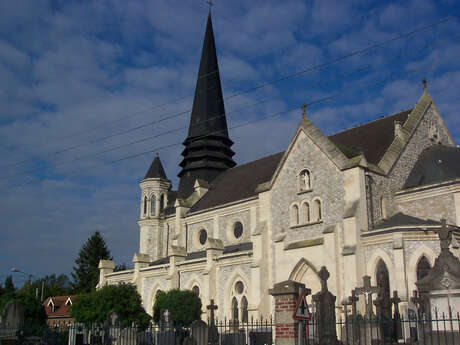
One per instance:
(301,311)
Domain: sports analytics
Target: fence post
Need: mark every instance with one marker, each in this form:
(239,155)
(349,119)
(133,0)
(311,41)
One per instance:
(286,294)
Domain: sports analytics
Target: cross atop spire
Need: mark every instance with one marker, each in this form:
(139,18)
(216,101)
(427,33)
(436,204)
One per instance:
(210,3)
(424,84)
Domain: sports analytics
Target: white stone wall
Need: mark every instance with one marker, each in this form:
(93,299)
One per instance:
(226,223)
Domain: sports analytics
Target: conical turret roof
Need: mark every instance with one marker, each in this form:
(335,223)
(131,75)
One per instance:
(156,169)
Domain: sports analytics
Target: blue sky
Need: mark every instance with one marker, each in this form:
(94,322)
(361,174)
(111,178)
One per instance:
(74,73)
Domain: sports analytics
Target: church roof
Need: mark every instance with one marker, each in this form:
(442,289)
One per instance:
(156,169)
(372,138)
(401,219)
(238,183)
(436,163)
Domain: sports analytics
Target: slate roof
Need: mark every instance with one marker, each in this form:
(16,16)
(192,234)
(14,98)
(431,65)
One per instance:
(401,219)
(436,163)
(372,138)
(239,182)
(60,308)
(156,169)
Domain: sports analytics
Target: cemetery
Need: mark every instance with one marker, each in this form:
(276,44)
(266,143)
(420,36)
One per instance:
(433,317)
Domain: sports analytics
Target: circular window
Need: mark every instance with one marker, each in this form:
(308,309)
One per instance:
(237,229)
(239,287)
(202,236)
(196,290)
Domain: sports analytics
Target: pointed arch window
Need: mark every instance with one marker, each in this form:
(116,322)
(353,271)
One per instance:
(318,211)
(234,309)
(153,205)
(306,212)
(244,309)
(423,267)
(145,205)
(294,215)
(162,202)
(383,280)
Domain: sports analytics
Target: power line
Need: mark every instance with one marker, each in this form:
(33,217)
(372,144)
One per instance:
(323,81)
(310,69)
(263,118)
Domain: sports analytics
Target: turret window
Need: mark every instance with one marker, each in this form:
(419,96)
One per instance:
(162,202)
(145,205)
(153,205)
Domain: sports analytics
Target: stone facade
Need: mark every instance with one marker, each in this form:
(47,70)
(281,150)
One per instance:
(278,243)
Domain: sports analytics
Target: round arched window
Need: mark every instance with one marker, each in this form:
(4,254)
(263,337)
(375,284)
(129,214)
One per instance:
(196,290)
(237,229)
(202,236)
(239,287)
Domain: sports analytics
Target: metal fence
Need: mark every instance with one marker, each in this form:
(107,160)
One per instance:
(424,330)
(254,332)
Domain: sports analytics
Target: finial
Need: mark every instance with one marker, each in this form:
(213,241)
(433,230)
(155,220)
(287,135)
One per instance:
(304,111)
(210,3)
(424,84)
(156,154)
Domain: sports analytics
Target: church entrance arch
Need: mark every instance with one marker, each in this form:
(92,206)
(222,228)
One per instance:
(304,272)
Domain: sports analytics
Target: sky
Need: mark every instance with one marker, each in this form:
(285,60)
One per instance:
(85,87)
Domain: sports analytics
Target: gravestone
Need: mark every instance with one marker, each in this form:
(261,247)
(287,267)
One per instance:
(397,327)
(112,329)
(199,331)
(325,311)
(383,308)
(234,338)
(167,337)
(12,315)
(367,290)
(260,337)
(12,318)
(441,285)
(213,333)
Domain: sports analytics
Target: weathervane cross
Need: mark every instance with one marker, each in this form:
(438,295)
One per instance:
(210,3)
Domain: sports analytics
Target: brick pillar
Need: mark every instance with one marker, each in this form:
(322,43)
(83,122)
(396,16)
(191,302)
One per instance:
(286,328)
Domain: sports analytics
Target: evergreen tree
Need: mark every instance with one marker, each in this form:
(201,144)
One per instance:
(9,286)
(85,272)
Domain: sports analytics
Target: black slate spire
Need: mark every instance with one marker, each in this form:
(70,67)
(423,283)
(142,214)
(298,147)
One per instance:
(207,147)
(156,169)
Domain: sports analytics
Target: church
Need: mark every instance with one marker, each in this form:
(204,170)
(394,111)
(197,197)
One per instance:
(364,201)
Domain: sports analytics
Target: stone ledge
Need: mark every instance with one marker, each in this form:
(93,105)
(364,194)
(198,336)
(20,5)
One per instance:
(306,243)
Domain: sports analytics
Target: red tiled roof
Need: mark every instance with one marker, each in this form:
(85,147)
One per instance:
(60,308)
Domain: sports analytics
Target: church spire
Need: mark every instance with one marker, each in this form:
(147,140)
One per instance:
(207,147)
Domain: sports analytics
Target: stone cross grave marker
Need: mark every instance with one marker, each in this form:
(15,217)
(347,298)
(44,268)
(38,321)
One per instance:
(419,303)
(352,300)
(397,329)
(213,333)
(367,290)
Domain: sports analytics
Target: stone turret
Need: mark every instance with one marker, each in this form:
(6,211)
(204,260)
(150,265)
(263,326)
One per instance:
(154,199)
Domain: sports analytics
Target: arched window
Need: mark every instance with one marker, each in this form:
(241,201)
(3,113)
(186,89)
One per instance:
(383,281)
(304,180)
(383,207)
(306,212)
(234,309)
(294,215)
(196,290)
(423,267)
(145,205)
(244,309)
(318,215)
(153,205)
(162,202)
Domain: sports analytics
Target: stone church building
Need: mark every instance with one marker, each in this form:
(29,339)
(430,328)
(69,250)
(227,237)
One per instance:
(361,202)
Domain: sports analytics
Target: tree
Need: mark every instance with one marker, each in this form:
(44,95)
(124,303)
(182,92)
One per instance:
(184,306)
(123,299)
(86,272)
